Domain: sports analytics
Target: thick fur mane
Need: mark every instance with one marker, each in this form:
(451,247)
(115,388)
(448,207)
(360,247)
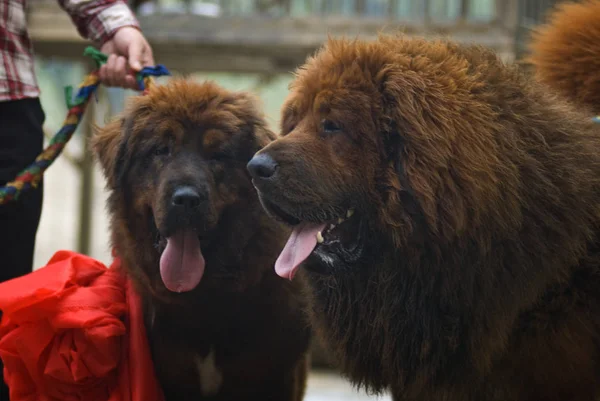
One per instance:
(506,179)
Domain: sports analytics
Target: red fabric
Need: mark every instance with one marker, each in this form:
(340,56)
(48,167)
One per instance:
(73,331)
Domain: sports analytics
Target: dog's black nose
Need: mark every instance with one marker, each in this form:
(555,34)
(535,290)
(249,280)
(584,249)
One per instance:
(186,197)
(262,166)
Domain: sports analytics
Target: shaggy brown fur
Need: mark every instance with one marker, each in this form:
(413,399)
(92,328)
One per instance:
(241,316)
(470,267)
(566,52)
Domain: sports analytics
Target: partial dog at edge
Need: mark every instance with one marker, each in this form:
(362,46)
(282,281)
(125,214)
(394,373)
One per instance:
(446,214)
(187,223)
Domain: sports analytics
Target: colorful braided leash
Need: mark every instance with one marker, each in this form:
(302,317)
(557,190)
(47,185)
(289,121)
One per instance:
(31,176)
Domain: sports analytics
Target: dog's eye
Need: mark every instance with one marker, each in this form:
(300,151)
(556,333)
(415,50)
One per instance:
(329,126)
(162,151)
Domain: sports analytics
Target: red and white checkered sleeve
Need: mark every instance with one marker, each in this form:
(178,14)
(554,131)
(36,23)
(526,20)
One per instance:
(98,20)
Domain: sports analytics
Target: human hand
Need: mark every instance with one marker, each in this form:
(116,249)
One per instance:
(128,52)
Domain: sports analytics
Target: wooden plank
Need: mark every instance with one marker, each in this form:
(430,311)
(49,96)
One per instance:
(48,22)
(289,32)
(189,43)
(86,170)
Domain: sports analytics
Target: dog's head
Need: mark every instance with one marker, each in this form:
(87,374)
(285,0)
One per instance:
(379,142)
(175,167)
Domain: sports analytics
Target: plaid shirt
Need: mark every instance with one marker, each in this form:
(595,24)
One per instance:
(96,20)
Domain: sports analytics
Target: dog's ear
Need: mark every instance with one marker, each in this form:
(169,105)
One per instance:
(410,202)
(263,135)
(417,114)
(109,145)
(249,110)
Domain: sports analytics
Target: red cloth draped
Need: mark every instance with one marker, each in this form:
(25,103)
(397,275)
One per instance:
(74,331)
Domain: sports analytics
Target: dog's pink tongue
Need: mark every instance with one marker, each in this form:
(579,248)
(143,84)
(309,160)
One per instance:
(182,263)
(301,243)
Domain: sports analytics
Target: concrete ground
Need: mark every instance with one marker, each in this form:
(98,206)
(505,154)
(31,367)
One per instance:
(328,386)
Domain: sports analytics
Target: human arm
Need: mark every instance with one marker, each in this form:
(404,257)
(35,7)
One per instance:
(98,20)
(111,25)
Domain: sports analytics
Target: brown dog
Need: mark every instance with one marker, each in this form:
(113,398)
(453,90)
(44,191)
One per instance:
(189,228)
(566,52)
(446,210)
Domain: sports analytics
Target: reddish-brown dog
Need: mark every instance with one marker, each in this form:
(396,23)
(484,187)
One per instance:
(190,230)
(566,52)
(445,210)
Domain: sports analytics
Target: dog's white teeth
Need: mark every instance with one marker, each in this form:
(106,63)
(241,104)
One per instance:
(331,226)
(349,213)
(320,237)
(340,220)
